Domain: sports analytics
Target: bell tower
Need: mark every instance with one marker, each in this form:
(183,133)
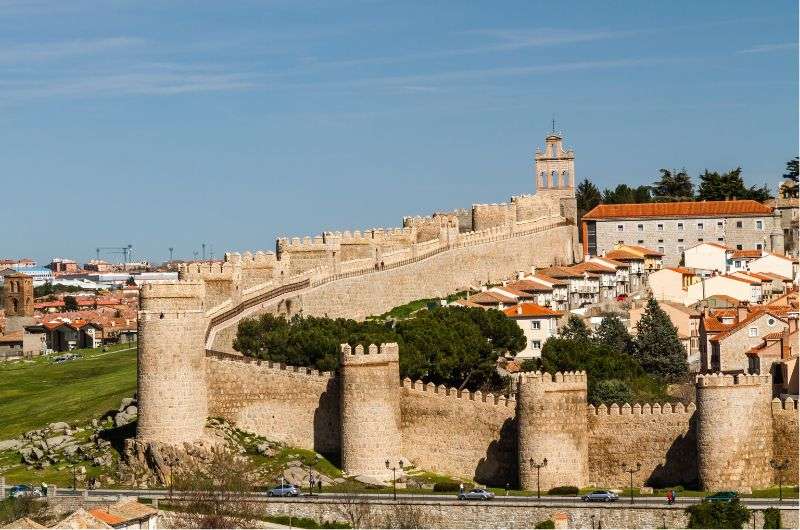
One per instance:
(555,167)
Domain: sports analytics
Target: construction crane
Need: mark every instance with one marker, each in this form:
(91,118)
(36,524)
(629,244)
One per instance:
(126,252)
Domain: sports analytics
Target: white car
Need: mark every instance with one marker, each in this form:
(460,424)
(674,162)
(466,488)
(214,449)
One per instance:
(478,494)
(601,496)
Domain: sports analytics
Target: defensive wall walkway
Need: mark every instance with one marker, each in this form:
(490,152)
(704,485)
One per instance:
(260,297)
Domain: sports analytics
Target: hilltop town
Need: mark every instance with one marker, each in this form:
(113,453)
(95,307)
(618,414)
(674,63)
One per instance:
(694,304)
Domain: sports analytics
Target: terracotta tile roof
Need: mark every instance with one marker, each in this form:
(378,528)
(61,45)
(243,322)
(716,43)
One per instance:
(516,292)
(775,335)
(549,279)
(751,281)
(529,286)
(528,309)
(80,518)
(622,255)
(677,209)
(773,276)
(467,303)
(562,272)
(615,263)
(589,266)
(761,276)
(106,517)
(24,523)
(487,297)
(741,324)
(12,337)
(714,245)
(649,252)
(713,325)
(747,253)
(130,510)
(683,270)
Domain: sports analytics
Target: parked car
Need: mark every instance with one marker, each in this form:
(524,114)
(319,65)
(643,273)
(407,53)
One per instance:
(23,490)
(285,490)
(722,496)
(477,494)
(601,496)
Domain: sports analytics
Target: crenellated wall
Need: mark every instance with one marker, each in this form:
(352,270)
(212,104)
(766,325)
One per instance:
(661,438)
(784,436)
(459,433)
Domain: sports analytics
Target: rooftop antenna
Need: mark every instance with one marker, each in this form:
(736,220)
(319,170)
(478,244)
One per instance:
(554,123)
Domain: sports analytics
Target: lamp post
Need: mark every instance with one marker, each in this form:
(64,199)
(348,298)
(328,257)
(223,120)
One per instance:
(538,466)
(779,466)
(394,475)
(632,470)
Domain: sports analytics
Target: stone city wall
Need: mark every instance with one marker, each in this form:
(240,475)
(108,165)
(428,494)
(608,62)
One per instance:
(461,434)
(659,437)
(296,406)
(785,440)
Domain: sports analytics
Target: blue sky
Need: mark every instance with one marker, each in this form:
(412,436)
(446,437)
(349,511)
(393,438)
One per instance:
(174,123)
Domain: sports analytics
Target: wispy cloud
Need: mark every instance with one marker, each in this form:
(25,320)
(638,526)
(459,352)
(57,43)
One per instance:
(767,48)
(43,51)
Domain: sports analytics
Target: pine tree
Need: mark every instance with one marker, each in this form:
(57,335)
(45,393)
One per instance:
(575,330)
(612,333)
(658,348)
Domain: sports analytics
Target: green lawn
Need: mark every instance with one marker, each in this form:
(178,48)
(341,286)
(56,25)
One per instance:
(35,393)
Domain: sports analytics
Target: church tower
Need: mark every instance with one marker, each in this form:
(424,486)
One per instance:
(555,167)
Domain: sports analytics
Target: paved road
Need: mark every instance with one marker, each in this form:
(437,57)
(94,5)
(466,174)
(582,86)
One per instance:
(653,502)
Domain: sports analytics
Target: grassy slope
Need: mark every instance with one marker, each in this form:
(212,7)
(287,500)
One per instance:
(33,394)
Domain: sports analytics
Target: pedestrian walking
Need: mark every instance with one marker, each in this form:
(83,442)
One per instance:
(461,488)
(319,485)
(508,487)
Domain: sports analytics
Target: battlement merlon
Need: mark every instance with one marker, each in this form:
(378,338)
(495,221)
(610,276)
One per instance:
(640,409)
(558,378)
(183,295)
(385,353)
(728,380)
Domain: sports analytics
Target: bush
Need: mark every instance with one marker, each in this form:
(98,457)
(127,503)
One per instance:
(772,518)
(547,523)
(303,522)
(450,486)
(563,490)
(718,515)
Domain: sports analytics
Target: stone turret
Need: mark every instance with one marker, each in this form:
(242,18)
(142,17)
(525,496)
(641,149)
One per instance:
(553,424)
(734,431)
(171,369)
(370,409)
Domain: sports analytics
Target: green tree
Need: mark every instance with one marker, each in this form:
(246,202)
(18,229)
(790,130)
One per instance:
(673,185)
(791,169)
(624,194)
(612,333)
(612,391)
(575,330)
(587,196)
(658,348)
(718,515)
(130,281)
(772,518)
(70,303)
(715,186)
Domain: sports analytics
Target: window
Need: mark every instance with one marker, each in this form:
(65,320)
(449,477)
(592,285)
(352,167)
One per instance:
(752,332)
(719,224)
(660,240)
(680,240)
(720,239)
(536,344)
(699,239)
(738,224)
(536,325)
(681,248)
(660,227)
(621,242)
(738,247)
(759,225)
(759,246)
(661,250)
(620,228)
(699,226)
(640,242)
(738,264)
(680,226)
(770,321)
(640,228)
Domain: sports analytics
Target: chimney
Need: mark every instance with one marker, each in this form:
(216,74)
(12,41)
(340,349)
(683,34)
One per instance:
(587,257)
(519,309)
(533,270)
(792,325)
(520,275)
(741,312)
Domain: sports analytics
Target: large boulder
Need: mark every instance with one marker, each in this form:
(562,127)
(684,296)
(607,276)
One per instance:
(6,445)
(56,441)
(58,426)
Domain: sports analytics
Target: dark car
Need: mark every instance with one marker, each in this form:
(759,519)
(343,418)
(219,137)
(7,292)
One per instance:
(722,496)
(477,494)
(600,496)
(285,490)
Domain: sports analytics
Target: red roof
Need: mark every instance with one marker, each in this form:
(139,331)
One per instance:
(529,286)
(678,209)
(589,266)
(530,310)
(747,253)
(619,254)
(488,297)
(644,250)
(742,323)
(106,517)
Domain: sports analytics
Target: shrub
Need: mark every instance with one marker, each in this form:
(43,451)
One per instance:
(772,518)
(718,515)
(563,490)
(547,523)
(303,522)
(450,486)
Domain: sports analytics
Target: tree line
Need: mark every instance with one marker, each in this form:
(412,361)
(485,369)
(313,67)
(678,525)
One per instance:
(676,185)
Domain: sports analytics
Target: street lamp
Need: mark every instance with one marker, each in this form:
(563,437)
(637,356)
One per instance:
(394,475)
(632,470)
(538,466)
(779,467)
